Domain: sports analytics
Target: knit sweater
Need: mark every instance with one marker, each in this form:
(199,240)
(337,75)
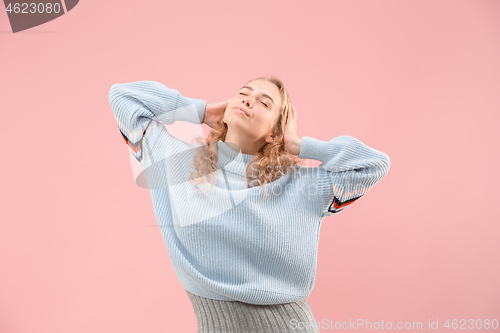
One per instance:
(238,243)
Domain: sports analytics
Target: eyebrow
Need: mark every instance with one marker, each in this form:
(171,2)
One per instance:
(265,95)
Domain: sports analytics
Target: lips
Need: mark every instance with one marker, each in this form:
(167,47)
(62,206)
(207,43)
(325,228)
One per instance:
(242,110)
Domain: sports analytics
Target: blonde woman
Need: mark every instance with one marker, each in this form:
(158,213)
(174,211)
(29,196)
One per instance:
(239,212)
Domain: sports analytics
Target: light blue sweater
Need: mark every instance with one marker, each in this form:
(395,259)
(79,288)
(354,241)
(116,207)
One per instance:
(236,243)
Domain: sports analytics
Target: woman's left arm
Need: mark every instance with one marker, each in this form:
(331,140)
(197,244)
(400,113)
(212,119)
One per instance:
(349,168)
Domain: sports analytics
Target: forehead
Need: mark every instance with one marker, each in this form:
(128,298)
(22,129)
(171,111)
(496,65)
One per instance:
(266,87)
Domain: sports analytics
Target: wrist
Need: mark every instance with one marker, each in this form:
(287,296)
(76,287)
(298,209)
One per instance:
(205,113)
(208,109)
(296,143)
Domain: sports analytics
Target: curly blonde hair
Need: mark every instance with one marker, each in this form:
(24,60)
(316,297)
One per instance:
(270,163)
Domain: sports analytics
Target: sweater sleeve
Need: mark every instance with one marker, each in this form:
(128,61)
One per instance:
(139,106)
(348,170)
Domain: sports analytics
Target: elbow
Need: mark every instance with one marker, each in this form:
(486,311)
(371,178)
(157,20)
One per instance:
(385,164)
(114,93)
(387,161)
(114,88)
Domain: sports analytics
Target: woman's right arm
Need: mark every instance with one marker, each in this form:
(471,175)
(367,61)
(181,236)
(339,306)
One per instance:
(138,106)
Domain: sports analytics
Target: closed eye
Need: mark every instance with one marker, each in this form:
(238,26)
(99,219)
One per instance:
(262,102)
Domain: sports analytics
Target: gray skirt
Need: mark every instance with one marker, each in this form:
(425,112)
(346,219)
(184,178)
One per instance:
(214,316)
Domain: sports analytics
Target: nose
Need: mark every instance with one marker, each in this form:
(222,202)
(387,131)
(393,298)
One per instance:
(246,101)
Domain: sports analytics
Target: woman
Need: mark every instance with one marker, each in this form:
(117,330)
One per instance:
(246,249)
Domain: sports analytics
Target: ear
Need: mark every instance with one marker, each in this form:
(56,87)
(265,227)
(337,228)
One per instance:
(270,139)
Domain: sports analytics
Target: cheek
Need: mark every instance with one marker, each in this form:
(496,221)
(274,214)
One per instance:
(262,118)
(266,122)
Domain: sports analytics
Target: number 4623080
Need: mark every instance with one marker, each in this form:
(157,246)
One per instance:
(477,324)
(40,7)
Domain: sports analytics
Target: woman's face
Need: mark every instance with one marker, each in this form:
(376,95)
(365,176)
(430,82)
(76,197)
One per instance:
(261,101)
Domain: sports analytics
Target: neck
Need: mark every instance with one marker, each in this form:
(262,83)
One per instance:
(247,145)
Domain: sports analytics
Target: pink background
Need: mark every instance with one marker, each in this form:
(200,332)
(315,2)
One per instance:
(418,80)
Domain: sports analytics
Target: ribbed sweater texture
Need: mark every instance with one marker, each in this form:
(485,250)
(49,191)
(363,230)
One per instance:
(235,243)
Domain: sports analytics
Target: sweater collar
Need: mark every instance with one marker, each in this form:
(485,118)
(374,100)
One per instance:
(231,158)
